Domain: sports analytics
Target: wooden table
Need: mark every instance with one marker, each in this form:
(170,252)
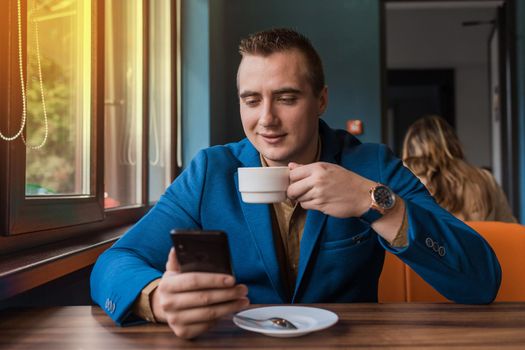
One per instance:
(385,326)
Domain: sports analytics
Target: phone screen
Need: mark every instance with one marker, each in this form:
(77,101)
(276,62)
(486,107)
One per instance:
(202,251)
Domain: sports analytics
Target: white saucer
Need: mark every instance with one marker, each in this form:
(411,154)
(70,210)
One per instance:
(306,319)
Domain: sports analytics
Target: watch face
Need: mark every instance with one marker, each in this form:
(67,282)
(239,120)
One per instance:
(384,197)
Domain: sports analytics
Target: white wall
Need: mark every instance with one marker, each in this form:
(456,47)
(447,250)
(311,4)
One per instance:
(435,38)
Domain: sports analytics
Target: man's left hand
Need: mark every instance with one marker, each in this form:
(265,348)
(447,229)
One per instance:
(341,193)
(329,188)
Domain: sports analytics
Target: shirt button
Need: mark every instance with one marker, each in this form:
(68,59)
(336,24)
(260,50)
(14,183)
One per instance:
(429,242)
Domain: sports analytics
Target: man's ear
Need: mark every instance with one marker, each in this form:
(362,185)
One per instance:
(323,100)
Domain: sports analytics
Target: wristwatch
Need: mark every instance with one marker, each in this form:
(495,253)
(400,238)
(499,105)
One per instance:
(383,199)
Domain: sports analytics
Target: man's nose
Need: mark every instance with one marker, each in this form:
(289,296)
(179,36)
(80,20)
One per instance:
(267,116)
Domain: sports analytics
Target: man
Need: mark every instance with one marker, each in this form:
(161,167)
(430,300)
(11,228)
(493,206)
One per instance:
(348,202)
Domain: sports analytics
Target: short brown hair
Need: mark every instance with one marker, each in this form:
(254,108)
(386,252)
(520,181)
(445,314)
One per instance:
(266,42)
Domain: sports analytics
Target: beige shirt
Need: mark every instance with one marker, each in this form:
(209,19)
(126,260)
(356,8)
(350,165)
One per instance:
(291,219)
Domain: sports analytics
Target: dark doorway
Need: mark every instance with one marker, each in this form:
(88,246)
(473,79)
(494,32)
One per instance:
(414,93)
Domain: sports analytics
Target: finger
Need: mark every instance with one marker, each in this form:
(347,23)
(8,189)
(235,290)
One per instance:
(308,196)
(298,189)
(293,165)
(172,265)
(300,172)
(192,330)
(309,205)
(188,300)
(207,313)
(191,281)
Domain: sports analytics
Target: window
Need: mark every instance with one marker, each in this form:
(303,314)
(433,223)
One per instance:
(51,135)
(124,107)
(57,68)
(97,146)
(162,95)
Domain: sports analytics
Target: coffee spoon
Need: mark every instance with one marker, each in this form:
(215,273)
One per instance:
(274,322)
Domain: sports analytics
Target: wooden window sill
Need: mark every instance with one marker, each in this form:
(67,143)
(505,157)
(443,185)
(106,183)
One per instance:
(33,267)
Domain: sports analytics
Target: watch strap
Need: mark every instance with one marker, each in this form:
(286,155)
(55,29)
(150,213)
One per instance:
(371,215)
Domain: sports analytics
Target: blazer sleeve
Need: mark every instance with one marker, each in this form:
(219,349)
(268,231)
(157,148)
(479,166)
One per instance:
(444,251)
(140,255)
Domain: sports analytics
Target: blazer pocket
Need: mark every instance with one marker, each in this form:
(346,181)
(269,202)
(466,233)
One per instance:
(355,240)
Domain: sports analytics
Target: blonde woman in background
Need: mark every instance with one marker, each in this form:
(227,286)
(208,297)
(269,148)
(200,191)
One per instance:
(433,152)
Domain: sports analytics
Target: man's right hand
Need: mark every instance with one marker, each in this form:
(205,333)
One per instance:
(191,302)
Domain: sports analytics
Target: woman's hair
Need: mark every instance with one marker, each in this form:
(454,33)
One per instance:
(433,152)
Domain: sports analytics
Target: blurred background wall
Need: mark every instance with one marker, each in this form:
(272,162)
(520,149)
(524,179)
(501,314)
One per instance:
(346,34)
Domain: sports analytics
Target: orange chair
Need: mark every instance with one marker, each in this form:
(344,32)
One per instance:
(399,283)
(508,242)
(392,286)
(420,291)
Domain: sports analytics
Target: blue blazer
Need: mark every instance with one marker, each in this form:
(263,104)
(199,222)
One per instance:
(340,259)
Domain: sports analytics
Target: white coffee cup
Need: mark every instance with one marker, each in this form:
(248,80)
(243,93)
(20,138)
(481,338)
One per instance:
(264,184)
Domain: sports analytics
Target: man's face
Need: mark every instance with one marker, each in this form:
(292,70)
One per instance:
(279,110)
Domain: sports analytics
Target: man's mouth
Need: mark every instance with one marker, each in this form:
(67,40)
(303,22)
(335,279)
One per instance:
(272,138)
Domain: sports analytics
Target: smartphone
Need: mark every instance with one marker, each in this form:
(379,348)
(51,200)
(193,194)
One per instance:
(202,251)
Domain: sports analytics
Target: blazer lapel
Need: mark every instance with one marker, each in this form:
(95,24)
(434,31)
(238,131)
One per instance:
(312,230)
(258,219)
(330,152)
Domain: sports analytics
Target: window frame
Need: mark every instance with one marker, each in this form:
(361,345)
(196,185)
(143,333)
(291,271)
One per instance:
(35,213)
(28,222)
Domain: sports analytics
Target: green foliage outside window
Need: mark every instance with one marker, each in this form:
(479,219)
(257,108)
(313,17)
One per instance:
(51,169)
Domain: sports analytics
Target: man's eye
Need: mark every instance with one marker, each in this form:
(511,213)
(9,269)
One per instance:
(251,102)
(288,100)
